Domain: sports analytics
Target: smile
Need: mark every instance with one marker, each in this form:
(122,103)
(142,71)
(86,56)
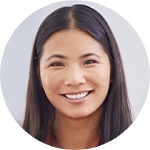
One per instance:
(77,96)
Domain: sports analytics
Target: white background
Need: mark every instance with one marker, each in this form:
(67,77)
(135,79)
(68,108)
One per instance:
(12,13)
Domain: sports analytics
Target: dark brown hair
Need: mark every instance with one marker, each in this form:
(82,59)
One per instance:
(40,113)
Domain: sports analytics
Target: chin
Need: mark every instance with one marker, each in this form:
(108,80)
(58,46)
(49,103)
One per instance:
(79,115)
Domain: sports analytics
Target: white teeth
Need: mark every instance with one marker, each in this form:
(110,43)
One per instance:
(77,96)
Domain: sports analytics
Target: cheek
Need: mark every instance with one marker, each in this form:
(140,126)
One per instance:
(50,83)
(101,76)
(101,80)
(102,86)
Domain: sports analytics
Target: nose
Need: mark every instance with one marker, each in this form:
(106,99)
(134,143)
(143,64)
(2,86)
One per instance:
(74,77)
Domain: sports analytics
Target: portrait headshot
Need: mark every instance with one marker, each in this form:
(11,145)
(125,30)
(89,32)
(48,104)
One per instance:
(75,75)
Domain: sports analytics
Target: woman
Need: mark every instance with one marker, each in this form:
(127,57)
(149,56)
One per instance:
(77,96)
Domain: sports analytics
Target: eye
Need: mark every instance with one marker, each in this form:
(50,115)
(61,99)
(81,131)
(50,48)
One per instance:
(89,62)
(56,64)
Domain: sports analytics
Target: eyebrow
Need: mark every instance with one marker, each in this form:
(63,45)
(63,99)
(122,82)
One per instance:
(89,54)
(57,56)
(65,57)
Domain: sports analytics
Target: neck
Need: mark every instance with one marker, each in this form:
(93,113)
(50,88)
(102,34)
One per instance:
(77,133)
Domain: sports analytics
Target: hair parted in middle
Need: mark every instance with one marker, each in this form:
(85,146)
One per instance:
(40,113)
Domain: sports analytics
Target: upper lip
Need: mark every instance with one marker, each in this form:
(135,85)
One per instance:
(76,92)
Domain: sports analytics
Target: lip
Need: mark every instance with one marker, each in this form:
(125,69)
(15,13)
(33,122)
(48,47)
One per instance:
(78,100)
(76,92)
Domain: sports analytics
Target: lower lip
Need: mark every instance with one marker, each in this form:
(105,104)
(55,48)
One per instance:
(77,101)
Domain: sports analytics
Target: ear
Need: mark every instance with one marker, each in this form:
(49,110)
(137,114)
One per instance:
(39,76)
(111,75)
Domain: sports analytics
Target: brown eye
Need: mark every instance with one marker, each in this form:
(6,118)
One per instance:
(56,64)
(89,62)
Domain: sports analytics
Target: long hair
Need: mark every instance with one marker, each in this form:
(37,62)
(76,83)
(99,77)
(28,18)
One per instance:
(40,114)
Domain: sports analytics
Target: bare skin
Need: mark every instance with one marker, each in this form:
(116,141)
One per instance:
(77,133)
(75,75)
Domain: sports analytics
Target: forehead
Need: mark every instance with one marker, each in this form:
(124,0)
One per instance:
(71,40)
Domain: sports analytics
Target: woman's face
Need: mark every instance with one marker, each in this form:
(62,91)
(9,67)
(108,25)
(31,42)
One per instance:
(75,73)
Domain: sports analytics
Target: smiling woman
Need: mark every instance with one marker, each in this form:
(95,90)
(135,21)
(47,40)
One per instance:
(77,88)
(72,67)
